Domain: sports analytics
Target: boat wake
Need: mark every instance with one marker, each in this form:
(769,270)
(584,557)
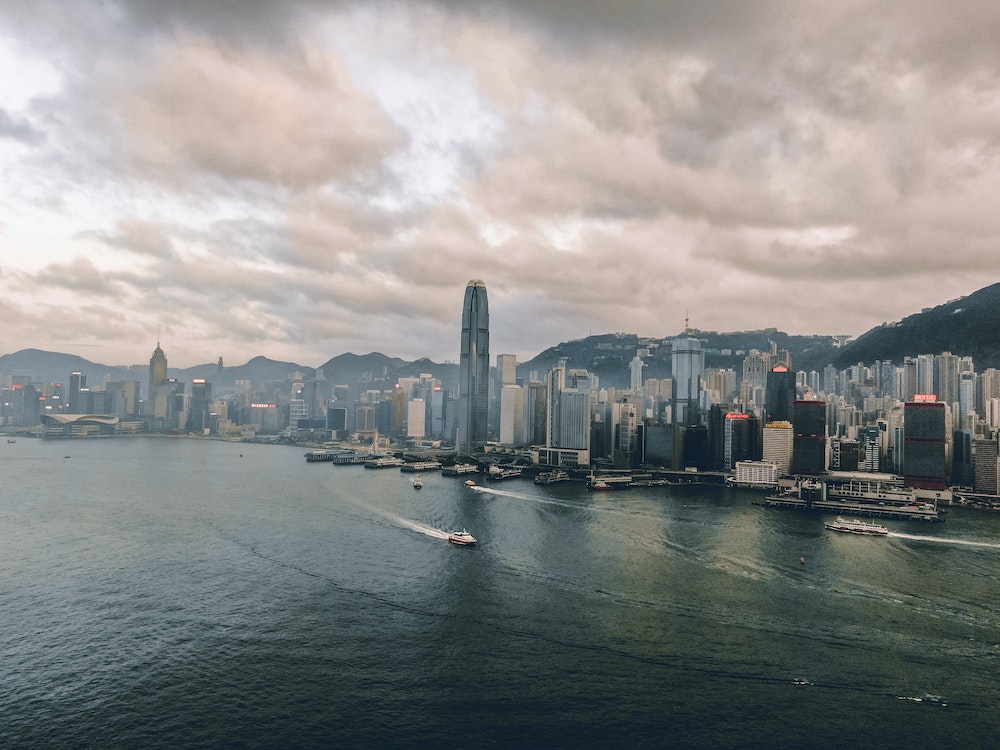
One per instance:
(944,540)
(421,528)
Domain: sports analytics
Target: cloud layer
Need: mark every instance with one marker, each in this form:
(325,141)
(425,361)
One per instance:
(301,179)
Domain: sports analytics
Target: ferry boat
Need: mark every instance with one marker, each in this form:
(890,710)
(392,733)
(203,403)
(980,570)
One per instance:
(462,538)
(385,462)
(857,526)
(503,472)
(549,477)
(418,483)
(421,466)
(458,469)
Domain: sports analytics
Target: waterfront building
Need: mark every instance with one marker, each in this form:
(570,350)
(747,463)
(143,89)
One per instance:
(200,406)
(738,439)
(626,421)
(924,443)
(778,441)
(474,370)
(687,363)
(809,442)
(985,466)
(158,394)
(77,385)
(962,467)
(756,473)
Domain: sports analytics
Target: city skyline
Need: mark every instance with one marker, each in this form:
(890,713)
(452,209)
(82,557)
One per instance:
(300,179)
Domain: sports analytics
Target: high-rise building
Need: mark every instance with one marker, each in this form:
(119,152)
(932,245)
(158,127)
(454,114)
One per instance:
(687,364)
(778,440)
(159,392)
(635,373)
(77,384)
(473,370)
(924,443)
(985,462)
(555,383)
(779,398)
(738,439)
(809,441)
(157,369)
(200,406)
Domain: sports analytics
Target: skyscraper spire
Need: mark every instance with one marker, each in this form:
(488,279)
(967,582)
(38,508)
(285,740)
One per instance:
(474,370)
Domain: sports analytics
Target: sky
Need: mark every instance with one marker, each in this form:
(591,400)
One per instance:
(300,179)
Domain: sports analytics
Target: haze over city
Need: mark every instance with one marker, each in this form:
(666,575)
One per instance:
(301,179)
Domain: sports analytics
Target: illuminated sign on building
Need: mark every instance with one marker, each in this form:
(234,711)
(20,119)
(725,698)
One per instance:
(263,406)
(925,398)
(737,416)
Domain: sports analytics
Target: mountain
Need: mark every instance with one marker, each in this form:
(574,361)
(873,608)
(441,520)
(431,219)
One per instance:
(355,368)
(53,367)
(608,355)
(967,326)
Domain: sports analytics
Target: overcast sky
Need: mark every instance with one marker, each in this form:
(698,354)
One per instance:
(303,179)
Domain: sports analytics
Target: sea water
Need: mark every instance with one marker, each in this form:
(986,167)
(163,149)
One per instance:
(167,593)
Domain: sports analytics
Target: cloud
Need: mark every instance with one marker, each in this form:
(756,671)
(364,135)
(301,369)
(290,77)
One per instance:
(305,178)
(241,115)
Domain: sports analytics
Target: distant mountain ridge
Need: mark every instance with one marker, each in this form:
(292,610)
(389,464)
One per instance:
(968,326)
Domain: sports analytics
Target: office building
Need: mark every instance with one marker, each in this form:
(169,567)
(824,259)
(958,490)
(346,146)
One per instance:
(474,370)
(924,443)
(809,441)
(779,396)
(778,441)
(985,466)
(688,364)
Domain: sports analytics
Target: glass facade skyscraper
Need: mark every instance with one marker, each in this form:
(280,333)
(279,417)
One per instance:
(687,366)
(474,370)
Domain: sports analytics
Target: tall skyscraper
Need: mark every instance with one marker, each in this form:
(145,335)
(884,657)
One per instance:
(809,439)
(474,370)
(924,442)
(687,364)
(158,397)
(779,398)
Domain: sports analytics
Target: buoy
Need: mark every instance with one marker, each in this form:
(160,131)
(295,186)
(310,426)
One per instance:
(802,561)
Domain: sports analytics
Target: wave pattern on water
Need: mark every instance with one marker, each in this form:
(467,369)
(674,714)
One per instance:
(202,600)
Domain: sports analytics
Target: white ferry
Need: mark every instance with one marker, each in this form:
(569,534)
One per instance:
(550,477)
(462,538)
(857,526)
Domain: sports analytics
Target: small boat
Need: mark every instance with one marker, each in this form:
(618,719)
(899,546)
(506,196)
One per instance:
(857,526)
(469,483)
(418,483)
(462,538)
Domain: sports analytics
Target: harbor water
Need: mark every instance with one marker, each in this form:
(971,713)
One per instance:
(175,593)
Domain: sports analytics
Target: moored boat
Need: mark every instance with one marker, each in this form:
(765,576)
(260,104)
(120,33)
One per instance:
(462,538)
(550,477)
(857,526)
